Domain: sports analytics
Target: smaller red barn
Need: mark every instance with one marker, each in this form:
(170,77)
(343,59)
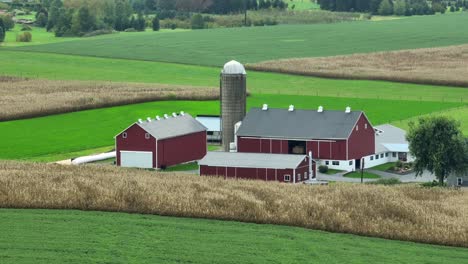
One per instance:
(161,142)
(258,166)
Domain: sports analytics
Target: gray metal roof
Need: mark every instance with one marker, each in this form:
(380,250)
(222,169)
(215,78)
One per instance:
(252,160)
(392,139)
(298,124)
(172,126)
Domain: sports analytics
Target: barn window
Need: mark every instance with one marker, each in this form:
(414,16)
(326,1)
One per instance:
(371,157)
(377,157)
(365,126)
(327,162)
(459,181)
(335,163)
(394,154)
(357,127)
(350,162)
(299,177)
(305,176)
(381,155)
(386,154)
(124,135)
(287,178)
(147,135)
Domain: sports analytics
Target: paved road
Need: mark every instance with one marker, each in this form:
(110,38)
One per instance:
(426,177)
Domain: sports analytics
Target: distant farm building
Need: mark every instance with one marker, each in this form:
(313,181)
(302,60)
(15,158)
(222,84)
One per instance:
(338,139)
(213,125)
(161,142)
(390,146)
(458,179)
(258,166)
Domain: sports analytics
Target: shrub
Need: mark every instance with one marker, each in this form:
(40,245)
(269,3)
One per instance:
(155,24)
(323,169)
(399,164)
(98,32)
(26,28)
(197,22)
(25,37)
(433,184)
(391,181)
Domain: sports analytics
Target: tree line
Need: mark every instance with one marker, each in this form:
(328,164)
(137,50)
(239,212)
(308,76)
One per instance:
(393,7)
(206,6)
(79,17)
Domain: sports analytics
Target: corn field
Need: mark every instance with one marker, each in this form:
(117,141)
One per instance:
(405,212)
(24,98)
(434,66)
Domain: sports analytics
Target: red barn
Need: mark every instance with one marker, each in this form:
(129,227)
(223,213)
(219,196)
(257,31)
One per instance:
(338,139)
(160,143)
(257,166)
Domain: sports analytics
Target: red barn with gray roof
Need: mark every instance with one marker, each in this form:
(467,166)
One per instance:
(161,143)
(258,166)
(338,139)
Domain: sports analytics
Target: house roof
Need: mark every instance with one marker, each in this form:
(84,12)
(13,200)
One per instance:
(298,124)
(212,123)
(172,126)
(390,138)
(252,160)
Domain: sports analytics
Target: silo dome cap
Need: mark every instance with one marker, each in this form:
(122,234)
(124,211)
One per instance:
(233,67)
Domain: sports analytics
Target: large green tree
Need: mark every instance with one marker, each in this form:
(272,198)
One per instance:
(385,8)
(2,30)
(399,7)
(8,22)
(438,146)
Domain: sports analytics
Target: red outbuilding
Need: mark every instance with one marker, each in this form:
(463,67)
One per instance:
(258,166)
(161,142)
(338,139)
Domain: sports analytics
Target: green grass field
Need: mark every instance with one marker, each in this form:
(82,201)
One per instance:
(39,36)
(384,167)
(216,46)
(65,67)
(460,114)
(72,132)
(366,175)
(58,236)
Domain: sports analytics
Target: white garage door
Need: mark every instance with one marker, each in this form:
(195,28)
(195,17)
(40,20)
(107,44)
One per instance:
(136,159)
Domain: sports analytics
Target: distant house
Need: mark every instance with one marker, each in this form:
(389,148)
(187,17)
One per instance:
(161,142)
(258,166)
(213,125)
(338,139)
(458,180)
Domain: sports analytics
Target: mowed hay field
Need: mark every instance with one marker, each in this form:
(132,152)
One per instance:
(406,212)
(214,47)
(70,236)
(66,67)
(71,132)
(440,66)
(22,98)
